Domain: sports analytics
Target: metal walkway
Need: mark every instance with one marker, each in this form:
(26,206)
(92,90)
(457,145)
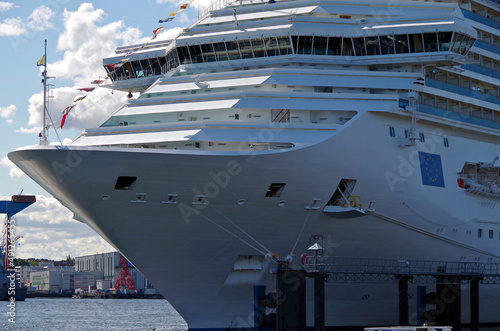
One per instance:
(363,270)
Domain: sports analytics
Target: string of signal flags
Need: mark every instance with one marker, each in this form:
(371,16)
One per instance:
(115,66)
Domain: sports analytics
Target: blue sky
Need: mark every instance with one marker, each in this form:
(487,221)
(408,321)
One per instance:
(79,34)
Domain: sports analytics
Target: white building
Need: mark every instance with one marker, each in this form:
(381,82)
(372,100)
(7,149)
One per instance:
(53,281)
(23,272)
(109,265)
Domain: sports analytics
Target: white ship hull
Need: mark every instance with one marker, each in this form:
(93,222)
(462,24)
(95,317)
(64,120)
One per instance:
(253,125)
(189,251)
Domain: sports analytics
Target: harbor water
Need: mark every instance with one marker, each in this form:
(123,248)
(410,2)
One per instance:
(96,314)
(91,314)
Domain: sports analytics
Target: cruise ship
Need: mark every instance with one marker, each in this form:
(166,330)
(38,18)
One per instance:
(373,124)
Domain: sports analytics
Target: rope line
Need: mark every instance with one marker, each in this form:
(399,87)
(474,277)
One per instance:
(239,228)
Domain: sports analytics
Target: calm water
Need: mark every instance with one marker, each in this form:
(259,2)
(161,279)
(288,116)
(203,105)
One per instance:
(91,314)
(95,314)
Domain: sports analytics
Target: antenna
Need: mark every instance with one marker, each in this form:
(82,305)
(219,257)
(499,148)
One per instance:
(44,135)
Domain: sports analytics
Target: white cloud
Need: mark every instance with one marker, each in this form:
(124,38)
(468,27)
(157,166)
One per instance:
(90,112)
(41,18)
(85,43)
(14,171)
(5,6)
(48,231)
(8,113)
(12,27)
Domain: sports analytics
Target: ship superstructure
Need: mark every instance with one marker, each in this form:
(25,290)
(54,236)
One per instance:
(371,123)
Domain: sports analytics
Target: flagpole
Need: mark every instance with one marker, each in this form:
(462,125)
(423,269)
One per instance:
(44,140)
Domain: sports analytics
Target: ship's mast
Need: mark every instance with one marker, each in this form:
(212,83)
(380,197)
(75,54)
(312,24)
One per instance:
(44,135)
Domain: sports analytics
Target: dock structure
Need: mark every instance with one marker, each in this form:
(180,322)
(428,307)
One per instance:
(447,277)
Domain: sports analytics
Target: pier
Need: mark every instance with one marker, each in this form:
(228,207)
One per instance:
(447,277)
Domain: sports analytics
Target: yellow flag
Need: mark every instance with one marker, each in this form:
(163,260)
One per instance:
(41,62)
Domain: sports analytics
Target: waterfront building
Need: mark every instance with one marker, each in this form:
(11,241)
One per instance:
(23,272)
(56,281)
(111,265)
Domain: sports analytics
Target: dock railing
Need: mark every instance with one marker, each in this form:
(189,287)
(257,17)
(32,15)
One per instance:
(216,5)
(381,268)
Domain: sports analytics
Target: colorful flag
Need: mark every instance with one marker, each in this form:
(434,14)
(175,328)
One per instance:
(165,20)
(80,98)
(176,12)
(97,81)
(157,31)
(115,66)
(65,113)
(184,6)
(86,89)
(41,62)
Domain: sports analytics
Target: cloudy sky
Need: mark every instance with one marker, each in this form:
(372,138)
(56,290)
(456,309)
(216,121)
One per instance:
(79,34)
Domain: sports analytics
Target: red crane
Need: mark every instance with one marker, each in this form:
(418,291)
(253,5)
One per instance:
(125,279)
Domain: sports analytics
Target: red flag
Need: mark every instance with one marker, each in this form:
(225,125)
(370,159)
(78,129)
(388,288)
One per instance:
(65,113)
(86,89)
(157,31)
(97,81)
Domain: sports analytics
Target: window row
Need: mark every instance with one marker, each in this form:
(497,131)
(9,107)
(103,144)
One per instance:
(383,45)
(491,233)
(421,136)
(143,68)
(285,45)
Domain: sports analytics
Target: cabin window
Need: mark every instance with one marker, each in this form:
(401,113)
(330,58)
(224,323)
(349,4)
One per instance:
(208,52)
(233,50)
(305,45)
(259,49)
(184,56)
(220,51)
(372,46)
(275,190)
(444,41)
(246,49)
(491,234)
(196,55)
(284,45)
(392,132)
(480,233)
(422,137)
(320,44)
(401,42)
(446,142)
(457,41)
(416,43)
(387,44)
(125,183)
(334,46)
(272,48)
(431,42)
(359,46)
